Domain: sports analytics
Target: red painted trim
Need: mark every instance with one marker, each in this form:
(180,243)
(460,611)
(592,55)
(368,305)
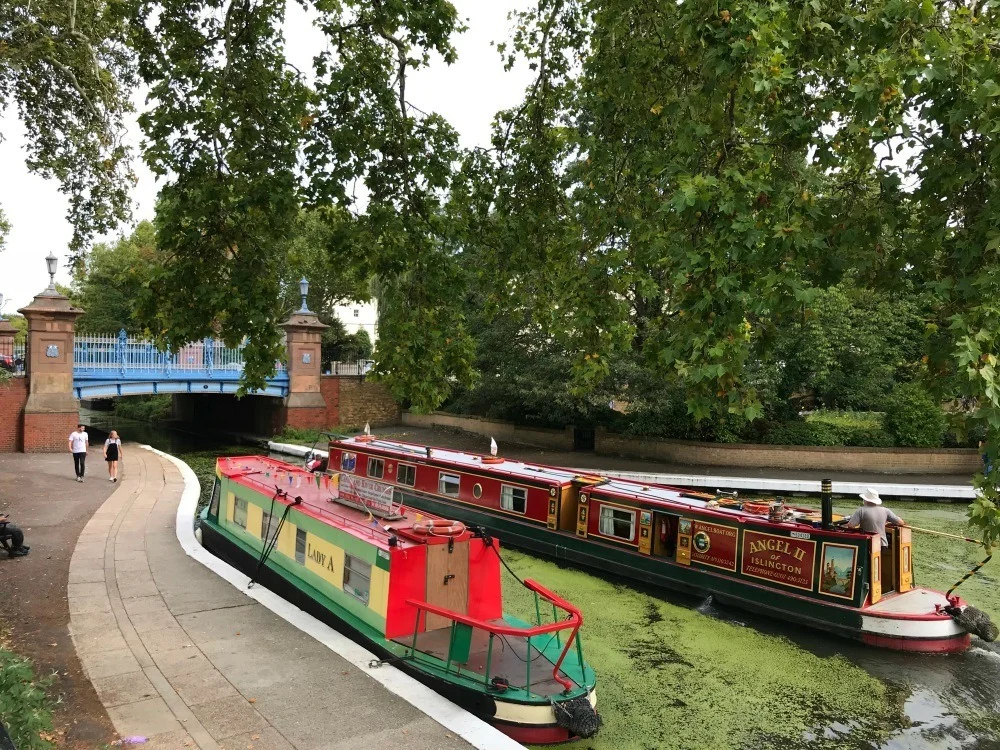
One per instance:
(951,645)
(548,734)
(933,616)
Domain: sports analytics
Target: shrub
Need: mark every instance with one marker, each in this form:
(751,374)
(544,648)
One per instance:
(821,432)
(24,706)
(913,418)
(145,408)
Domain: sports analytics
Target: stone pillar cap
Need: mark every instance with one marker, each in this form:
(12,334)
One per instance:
(47,302)
(301,319)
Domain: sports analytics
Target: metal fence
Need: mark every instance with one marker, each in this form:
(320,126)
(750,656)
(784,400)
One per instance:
(127,353)
(357,367)
(12,356)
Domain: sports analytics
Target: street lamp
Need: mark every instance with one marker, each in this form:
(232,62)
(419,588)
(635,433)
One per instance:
(304,290)
(51,261)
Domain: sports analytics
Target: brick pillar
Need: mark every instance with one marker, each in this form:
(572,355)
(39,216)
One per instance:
(305,406)
(51,412)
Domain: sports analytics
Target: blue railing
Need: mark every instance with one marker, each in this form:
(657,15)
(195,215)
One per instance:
(122,364)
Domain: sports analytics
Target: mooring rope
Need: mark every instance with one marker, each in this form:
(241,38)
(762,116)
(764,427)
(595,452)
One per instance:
(269,545)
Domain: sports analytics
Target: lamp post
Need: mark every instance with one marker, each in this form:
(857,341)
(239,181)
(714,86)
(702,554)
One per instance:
(51,261)
(304,290)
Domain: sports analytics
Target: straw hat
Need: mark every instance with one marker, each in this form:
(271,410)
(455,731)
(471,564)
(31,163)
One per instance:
(871,496)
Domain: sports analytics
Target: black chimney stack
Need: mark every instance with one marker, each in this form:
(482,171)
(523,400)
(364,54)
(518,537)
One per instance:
(826,487)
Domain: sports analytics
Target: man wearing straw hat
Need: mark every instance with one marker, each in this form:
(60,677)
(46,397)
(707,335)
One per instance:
(872,518)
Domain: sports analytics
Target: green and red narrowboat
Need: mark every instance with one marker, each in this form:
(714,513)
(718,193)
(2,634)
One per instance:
(418,590)
(793,563)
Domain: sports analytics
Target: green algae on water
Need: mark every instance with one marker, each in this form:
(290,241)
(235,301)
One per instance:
(670,677)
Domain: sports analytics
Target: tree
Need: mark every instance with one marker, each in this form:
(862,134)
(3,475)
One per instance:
(241,141)
(67,68)
(110,280)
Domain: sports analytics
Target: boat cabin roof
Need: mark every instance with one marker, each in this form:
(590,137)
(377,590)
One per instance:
(460,460)
(266,476)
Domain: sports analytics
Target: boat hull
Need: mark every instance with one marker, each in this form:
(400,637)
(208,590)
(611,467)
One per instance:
(532,723)
(923,633)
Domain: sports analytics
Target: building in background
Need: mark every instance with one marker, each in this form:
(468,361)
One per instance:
(357,316)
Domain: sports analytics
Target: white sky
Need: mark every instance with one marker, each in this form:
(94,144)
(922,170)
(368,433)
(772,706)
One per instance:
(468,94)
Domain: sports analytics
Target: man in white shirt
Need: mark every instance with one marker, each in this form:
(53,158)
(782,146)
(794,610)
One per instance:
(79,441)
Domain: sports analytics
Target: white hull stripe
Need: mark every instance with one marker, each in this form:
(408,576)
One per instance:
(473,730)
(911,628)
(525,715)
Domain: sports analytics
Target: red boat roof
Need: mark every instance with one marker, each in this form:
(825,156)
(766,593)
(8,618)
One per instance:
(509,467)
(651,495)
(266,476)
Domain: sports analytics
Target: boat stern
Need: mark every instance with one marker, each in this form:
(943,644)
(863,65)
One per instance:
(561,720)
(913,621)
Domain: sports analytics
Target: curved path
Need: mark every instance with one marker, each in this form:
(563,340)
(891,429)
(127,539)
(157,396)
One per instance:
(179,655)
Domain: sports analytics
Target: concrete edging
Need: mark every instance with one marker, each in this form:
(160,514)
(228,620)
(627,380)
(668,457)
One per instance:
(471,729)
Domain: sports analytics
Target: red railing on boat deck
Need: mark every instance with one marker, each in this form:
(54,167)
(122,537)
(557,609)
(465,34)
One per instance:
(573,623)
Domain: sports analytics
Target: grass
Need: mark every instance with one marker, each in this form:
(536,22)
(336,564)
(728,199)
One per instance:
(25,708)
(309,438)
(863,420)
(202,463)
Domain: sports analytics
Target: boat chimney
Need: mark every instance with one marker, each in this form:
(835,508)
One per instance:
(826,488)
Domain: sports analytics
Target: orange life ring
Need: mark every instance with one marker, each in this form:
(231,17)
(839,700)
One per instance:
(439,527)
(759,508)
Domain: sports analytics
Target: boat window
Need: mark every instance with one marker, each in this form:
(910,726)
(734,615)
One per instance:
(617,522)
(300,546)
(407,475)
(513,498)
(213,508)
(357,578)
(448,484)
(240,512)
(376,468)
(348,461)
(268,525)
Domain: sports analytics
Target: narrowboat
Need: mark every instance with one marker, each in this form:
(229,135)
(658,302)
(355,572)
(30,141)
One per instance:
(797,564)
(420,591)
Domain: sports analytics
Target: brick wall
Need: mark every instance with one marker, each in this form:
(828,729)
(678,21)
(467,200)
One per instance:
(48,432)
(329,386)
(834,458)
(12,399)
(560,440)
(359,401)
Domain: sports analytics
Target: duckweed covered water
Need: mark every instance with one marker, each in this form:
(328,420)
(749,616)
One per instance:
(685,675)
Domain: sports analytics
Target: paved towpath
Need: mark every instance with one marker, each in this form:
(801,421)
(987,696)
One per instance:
(181,656)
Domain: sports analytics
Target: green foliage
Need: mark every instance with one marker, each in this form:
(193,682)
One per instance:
(826,433)
(852,347)
(21,324)
(110,280)
(913,418)
(4,230)
(155,408)
(25,710)
(69,74)
(306,437)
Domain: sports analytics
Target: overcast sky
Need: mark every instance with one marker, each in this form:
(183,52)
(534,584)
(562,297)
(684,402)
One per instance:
(467,93)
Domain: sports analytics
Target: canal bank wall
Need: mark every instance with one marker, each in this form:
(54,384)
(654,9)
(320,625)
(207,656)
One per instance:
(922,461)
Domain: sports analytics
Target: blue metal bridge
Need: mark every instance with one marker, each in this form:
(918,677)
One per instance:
(121,365)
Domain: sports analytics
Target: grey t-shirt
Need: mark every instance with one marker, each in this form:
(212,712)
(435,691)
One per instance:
(872,519)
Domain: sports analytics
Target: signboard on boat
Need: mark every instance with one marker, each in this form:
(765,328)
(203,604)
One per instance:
(715,545)
(781,559)
(366,494)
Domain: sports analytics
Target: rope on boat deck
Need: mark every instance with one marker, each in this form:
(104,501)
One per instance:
(268,547)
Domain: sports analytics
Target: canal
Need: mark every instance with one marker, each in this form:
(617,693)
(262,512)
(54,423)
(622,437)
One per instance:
(683,674)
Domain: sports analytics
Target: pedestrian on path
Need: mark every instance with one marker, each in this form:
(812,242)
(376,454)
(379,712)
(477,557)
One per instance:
(79,442)
(113,454)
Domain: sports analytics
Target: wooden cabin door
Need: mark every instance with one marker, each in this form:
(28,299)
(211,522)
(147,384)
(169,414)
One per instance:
(447,581)
(904,560)
(875,571)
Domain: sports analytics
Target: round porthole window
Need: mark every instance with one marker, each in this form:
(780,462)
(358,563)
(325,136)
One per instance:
(477,491)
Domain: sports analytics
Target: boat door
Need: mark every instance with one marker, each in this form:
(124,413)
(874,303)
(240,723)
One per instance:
(447,581)
(904,559)
(875,569)
(664,534)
